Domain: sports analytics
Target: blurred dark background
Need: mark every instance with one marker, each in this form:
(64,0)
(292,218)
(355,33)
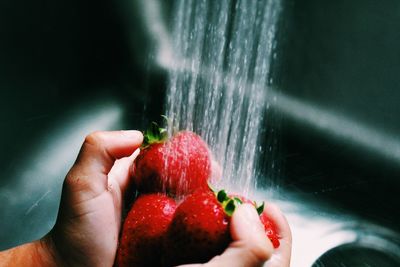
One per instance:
(62,63)
(61,58)
(343,57)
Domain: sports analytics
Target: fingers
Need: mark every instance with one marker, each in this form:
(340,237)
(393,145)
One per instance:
(121,171)
(101,149)
(250,247)
(96,158)
(281,255)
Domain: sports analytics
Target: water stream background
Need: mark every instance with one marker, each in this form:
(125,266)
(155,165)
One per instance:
(219,83)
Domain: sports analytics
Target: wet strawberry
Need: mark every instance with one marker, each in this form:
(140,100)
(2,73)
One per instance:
(144,231)
(269,225)
(270,229)
(199,230)
(200,227)
(178,166)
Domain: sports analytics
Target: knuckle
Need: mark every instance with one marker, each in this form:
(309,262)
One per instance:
(94,138)
(260,252)
(71,179)
(75,182)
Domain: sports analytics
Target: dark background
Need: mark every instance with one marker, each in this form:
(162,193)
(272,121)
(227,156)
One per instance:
(56,56)
(344,57)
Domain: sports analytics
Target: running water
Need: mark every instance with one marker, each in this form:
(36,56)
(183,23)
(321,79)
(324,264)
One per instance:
(219,80)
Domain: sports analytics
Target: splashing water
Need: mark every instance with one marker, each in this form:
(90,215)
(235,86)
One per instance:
(219,79)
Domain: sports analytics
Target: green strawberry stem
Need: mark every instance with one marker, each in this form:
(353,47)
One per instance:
(229,204)
(260,208)
(154,134)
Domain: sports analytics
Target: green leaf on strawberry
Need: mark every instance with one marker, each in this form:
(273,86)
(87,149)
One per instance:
(222,196)
(228,203)
(260,208)
(154,134)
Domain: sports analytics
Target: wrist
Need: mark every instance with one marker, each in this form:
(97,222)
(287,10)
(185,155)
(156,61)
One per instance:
(34,254)
(48,253)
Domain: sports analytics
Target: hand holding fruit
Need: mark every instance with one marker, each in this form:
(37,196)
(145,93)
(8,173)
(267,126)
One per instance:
(89,221)
(176,214)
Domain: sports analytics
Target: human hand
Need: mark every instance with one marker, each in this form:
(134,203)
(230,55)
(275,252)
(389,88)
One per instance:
(87,229)
(89,220)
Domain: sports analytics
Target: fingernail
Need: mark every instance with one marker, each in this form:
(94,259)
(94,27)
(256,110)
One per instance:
(132,134)
(253,222)
(251,214)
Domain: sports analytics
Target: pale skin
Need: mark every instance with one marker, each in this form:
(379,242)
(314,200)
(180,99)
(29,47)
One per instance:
(89,220)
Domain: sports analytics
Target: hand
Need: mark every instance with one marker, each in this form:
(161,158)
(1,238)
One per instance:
(87,229)
(89,220)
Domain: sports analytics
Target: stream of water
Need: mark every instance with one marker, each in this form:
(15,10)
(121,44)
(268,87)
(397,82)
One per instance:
(219,80)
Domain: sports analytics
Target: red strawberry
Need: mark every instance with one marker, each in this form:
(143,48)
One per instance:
(270,229)
(144,231)
(177,166)
(199,230)
(200,227)
(269,225)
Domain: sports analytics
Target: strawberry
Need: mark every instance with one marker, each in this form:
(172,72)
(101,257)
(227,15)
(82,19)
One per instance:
(270,229)
(199,230)
(269,225)
(178,165)
(200,227)
(144,231)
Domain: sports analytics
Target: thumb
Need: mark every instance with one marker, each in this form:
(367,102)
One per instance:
(250,246)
